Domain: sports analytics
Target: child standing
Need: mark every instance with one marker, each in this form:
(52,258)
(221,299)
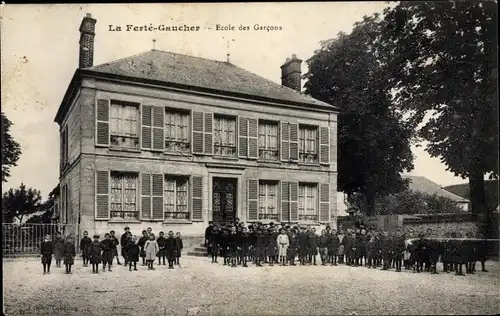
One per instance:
(69,254)
(46,249)
(151,249)
(313,246)
(214,244)
(170,248)
(333,247)
(95,254)
(283,244)
(132,252)
(58,249)
(107,252)
(114,247)
(178,247)
(161,245)
(323,247)
(370,253)
(84,247)
(141,243)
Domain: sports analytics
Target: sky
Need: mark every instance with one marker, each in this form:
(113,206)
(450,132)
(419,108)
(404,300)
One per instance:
(40,54)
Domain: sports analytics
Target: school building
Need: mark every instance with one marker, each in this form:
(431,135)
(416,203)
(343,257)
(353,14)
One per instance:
(171,141)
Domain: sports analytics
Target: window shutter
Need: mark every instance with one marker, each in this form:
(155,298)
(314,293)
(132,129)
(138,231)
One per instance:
(145,196)
(294,207)
(147,113)
(66,147)
(294,142)
(324,202)
(253,137)
(63,204)
(285,141)
(208,137)
(197,137)
(157,196)
(324,145)
(158,128)
(102,122)
(101,195)
(242,137)
(197,198)
(253,199)
(285,201)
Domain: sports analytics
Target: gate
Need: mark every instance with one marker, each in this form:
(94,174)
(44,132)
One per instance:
(24,240)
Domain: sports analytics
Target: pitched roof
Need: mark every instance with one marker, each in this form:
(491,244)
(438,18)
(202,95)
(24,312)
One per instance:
(424,185)
(202,73)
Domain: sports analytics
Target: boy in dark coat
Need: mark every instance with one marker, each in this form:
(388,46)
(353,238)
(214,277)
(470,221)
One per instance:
(323,247)
(224,245)
(208,235)
(46,250)
(161,241)
(260,248)
(370,253)
(123,242)
(348,245)
(107,254)
(386,245)
(363,239)
(171,249)
(178,248)
(58,246)
(114,247)
(214,245)
(84,247)
(132,252)
(141,243)
(95,254)
(252,240)
(303,245)
(69,254)
(272,246)
(399,249)
(292,249)
(312,246)
(244,246)
(333,247)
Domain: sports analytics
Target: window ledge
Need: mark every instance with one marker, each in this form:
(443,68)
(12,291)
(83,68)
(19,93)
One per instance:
(269,161)
(177,221)
(225,157)
(124,149)
(177,153)
(122,220)
(312,164)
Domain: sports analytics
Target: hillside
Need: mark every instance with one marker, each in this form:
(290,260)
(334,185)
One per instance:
(490,186)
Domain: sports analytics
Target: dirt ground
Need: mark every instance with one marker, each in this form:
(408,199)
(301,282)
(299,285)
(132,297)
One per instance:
(214,289)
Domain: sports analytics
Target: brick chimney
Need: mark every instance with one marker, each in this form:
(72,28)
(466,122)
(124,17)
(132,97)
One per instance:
(87,34)
(291,73)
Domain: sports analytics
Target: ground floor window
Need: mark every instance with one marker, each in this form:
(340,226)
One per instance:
(176,197)
(308,201)
(124,195)
(268,202)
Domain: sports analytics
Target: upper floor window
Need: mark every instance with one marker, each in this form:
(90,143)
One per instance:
(176,197)
(308,144)
(225,136)
(124,124)
(268,201)
(308,201)
(177,130)
(124,195)
(268,140)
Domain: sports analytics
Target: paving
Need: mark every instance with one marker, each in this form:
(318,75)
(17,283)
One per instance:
(201,288)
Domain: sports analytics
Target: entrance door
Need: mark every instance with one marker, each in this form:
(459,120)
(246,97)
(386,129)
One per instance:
(224,200)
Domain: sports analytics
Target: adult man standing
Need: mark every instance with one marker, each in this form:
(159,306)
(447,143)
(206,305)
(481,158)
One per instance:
(208,235)
(123,244)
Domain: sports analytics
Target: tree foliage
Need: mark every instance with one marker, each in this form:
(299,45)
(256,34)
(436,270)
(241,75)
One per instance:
(412,202)
(373,139)
(11,150)
(20,202)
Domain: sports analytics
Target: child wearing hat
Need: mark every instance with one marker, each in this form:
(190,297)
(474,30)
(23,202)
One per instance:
(132,252)
(95,254)
(69,254)
(303,244)
(170,249)
(214,244)
(46,250)
(107,252)
(151,249)
(84,247)
(161,245)
(312,246)
(142,241)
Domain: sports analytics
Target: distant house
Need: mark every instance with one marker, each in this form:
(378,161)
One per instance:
(424,185)
(56,193)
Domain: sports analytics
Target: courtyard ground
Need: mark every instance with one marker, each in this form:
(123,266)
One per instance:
(214,289)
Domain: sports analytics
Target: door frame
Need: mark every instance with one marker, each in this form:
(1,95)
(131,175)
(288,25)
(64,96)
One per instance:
(236,174)
(236,193)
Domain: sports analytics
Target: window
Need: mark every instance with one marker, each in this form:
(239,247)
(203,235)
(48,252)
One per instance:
(124,129)
(176,130)
(64,148)
(308,144)
(124,195)
(308,200)
(268,203)
(225,136)
(176,197)
(268,141)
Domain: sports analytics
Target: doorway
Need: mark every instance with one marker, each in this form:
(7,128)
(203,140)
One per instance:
(224,201)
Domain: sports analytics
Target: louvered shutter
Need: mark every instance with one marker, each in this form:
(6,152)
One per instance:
(146,196)
(63,203)
(208,134)
(157,196)
(253,137)
(285,201)
(158,128)
(324,145)
(324,202)
(242,137)
(333,144)
(101,195)
(294,142)
(285,141)
(146,126)
(197,198)
(253,199)
(102,122)
(294,197)
(197,147)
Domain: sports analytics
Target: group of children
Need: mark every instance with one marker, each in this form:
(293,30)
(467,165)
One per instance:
(271,244)
(97,252)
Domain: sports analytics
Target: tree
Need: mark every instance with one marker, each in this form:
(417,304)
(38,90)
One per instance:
(412,202)
(17,203)
(443,63)
(373,140)
(11,150)
(47,211)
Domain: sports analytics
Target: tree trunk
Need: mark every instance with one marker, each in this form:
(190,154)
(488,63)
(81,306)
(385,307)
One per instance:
(478,201)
